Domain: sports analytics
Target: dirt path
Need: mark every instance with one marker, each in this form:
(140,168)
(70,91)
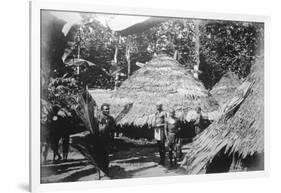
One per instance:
(130,162)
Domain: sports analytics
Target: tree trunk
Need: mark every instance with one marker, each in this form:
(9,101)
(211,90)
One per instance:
(129,67)
(176,54)
(197,48)
(128,58)
(116,50)
(78,52)
(115,54)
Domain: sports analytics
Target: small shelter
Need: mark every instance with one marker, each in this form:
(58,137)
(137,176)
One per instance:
(236,141)
(224,89)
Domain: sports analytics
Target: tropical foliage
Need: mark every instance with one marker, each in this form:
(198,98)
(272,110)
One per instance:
(228,46)
(223,46)
(63,92)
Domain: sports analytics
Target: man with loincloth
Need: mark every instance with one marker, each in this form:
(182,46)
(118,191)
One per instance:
(159,134)
(172,128)
(106,125)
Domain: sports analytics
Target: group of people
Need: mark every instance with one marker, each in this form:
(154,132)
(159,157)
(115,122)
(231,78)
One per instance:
(167,130)
(55,128)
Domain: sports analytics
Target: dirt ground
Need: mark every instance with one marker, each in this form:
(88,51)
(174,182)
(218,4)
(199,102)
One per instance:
(130,161)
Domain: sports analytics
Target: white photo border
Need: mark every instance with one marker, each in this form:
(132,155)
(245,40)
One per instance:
(36,6)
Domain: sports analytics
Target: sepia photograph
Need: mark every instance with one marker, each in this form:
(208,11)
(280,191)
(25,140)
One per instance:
(127,96)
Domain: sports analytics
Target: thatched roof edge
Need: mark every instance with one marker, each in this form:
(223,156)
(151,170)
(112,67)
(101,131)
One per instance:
(239,131)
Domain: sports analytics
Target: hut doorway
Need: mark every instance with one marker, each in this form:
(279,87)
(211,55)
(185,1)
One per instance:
(225,162)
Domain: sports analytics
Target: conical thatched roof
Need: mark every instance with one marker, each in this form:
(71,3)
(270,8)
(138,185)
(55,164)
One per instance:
(224,89)
(239,133)
(162,80)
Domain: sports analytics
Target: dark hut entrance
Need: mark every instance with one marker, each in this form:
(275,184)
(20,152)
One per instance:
(225,162)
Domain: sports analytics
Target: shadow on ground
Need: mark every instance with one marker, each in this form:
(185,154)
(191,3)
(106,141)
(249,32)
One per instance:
(130,161)
(120,173)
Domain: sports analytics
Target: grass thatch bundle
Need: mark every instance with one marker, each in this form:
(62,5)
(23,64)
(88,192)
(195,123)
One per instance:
(236,140)
(105,96)
(85,109)
(162,80)
(225,88)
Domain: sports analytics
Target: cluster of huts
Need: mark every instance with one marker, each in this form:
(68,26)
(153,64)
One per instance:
(234,140)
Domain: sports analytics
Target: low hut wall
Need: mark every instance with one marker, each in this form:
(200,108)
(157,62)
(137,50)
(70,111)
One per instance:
(136,132)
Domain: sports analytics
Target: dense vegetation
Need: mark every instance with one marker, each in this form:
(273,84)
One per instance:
(228,46)
(224,45)
(218,46)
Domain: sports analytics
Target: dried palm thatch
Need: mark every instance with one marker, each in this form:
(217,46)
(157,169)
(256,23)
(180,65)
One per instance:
(88,143)
(106,96)
(85,109)
(162,80)
(91,148)
(238,134)
(224,89)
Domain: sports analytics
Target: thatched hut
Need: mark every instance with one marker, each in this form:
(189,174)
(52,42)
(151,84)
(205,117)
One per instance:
(107,96)
(163,80)
(225,88)
(236,141)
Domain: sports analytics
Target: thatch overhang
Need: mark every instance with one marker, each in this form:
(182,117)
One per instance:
(224,89)
(162,80)
(238,134)
(106,96)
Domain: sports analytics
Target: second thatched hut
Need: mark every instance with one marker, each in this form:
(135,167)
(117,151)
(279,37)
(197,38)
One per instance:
(225,88)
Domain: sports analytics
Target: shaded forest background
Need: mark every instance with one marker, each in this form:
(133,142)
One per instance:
(223,46)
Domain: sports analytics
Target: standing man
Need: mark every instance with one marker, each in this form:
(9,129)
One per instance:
(159,134)
(56,129)
(172,128)
(106,125)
